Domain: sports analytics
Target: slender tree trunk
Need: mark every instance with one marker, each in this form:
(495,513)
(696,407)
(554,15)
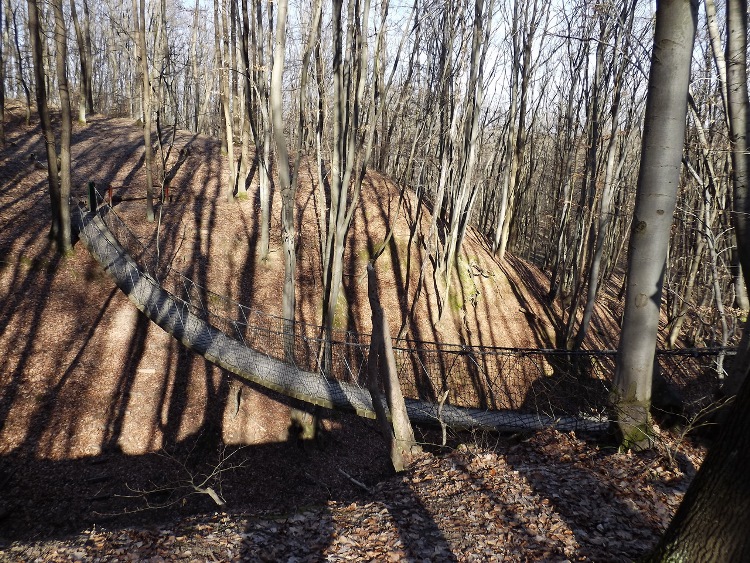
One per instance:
(247,99)
(66,126)
(717,51)
(288,195)
(661,155)
(35,34)
(687,293)
(500,241)
(195,72)
(381,361)
(262,132)
(221,45)
(139,15)
(89,90)
(475,91)
(349,114)
(85,103)
(19,60)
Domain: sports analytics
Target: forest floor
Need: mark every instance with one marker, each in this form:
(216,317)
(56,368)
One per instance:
(108,426)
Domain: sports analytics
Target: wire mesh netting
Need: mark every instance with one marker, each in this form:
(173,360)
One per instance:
(535,384)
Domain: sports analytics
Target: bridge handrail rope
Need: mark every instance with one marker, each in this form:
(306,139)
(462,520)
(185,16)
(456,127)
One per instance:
(251,346)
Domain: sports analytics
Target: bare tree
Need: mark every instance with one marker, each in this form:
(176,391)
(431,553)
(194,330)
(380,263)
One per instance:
(221,46)
(661,155)
(621,43)
(351,150)
(83,39)
(19,59)
(59,231)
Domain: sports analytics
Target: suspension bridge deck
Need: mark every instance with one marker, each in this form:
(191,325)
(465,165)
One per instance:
(179,319)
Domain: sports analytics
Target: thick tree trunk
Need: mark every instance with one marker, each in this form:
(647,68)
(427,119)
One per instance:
(739,125)
(712,522)
(661,156)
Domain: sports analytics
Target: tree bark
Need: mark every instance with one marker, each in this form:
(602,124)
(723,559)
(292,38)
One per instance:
(661,156)
(2,81)
(739,125)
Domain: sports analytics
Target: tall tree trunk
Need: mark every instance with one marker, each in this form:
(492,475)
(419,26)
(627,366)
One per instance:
(35,35)
(661,155)
(288,195)
(89,90)
(509,176)
(247,101)
(139,16)
(567,151)
(221,43)
(475,91)
(589,190)
(262,131)
(66,126)
(350,55)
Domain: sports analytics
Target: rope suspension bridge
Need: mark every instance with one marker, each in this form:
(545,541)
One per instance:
(456,386)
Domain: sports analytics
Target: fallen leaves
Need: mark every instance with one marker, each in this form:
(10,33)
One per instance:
(551,498)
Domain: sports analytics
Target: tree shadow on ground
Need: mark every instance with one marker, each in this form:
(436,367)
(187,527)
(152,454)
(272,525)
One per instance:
(285,482)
